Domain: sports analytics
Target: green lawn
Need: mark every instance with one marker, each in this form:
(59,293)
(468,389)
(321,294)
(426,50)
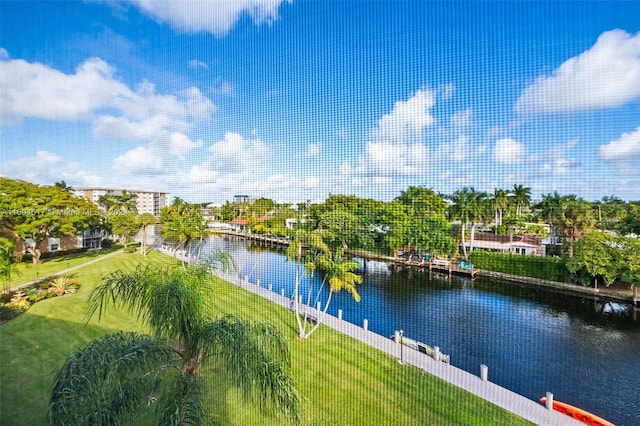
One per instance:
(26,272)
(342,380)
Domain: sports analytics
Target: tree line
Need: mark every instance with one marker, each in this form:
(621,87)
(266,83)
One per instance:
(418,219)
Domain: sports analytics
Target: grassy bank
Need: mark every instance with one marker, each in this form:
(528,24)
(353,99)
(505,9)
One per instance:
(342,380)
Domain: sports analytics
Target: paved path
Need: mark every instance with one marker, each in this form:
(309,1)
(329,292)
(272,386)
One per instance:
(66,271)
(511,401)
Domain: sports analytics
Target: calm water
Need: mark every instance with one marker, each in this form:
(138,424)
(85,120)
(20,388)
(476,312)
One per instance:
(532,342)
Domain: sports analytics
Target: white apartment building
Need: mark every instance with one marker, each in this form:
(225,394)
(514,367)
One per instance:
(147,201)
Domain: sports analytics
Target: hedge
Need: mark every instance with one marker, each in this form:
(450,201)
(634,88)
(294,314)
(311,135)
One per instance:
(546,268)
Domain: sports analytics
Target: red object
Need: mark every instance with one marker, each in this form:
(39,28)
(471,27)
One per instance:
(578,413)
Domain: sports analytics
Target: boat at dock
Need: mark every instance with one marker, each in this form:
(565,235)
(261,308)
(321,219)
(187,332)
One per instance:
(423,348)
(578,413)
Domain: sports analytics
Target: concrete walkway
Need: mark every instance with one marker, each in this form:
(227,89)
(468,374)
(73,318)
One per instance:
(511,401)
(66,271)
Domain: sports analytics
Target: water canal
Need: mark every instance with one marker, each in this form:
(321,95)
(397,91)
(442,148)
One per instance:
(532,341)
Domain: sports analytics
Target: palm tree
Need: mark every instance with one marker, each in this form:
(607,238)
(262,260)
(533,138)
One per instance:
(145,220)
(126,202)
(113,379)
(312,245)
(478,211)
(521,197)
(339,275)
(550,209)
(500,204)
(183,223)
(107,202)
(63,185)
(575,218)
(462,209)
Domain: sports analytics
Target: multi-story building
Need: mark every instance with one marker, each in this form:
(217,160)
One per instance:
(147,201)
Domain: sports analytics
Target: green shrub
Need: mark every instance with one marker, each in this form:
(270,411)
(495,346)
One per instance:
(9,312)
(546,268)
(63,285)
(37,296)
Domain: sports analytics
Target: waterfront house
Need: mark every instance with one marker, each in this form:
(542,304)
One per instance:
(516,244)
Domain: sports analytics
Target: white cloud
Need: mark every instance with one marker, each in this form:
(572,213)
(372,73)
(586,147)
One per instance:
(626,146)
(178,144)
(46,168)
(607,75)
(508,151)
(216,17)
(34,90)
(196,64)
(406,120)
(142,160)
(396,145)
(461,118)
(226,89)
(235,154)
(313,150)
(460,148)
(342,133)
(555,162)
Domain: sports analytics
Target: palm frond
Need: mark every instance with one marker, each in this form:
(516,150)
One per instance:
(173,302)
(256,356)
(182,402)
(106,382)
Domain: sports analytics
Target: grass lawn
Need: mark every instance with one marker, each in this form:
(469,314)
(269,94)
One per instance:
(342,380)
(26,272)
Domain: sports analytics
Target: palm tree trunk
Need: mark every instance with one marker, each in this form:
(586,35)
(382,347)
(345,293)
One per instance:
(319,321)
(464,243)
(301,329)
(472,235)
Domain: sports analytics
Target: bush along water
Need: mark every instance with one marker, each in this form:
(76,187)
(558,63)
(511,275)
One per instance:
(545,268)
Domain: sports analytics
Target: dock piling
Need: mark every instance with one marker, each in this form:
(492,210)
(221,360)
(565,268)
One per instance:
(549,403)
(484,372)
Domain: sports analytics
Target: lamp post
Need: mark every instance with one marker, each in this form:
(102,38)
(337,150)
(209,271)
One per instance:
(401,345)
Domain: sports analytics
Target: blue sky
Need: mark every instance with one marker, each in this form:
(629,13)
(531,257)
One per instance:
(298,100)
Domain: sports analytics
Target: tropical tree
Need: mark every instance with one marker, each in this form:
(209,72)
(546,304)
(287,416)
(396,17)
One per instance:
(183,223)
(36,213)
(479,211)
(106,202)
(594,254)
(550,209)
(500,203)
(609,211)
(124,226)
(423,201)
(63,185)
(306,246)
(575,218)
(521,198)
(116,378)
(464,209)
(144,220)
(344,228)
(126,202)
(630,224)
(338,272)
(7,265)
(431,235)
